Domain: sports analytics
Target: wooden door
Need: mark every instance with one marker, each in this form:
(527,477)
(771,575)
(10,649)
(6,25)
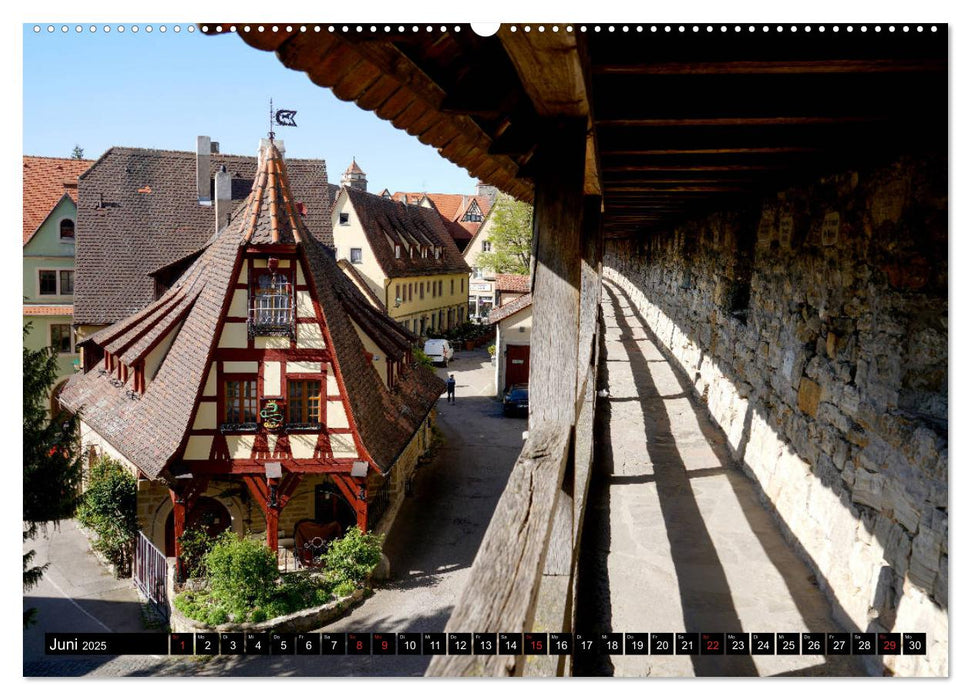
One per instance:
(517,364)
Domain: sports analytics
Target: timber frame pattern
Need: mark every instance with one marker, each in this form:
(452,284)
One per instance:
(611,135)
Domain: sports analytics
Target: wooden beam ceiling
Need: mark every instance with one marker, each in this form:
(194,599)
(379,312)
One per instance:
(678,122)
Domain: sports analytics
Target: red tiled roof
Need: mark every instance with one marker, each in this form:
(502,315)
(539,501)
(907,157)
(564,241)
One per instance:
(383,219)
(507,310)
(150,430)
(46,181)
(123,236)
(62,310)
(451,206)
(512,283)
(354,167)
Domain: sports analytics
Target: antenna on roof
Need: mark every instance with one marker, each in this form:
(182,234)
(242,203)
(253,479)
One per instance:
(271,134)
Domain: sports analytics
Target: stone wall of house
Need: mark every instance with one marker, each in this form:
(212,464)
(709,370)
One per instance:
(815,329)
(397,481)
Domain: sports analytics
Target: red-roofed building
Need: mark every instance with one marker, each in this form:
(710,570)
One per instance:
(260,370)
(465,212)
(50,213)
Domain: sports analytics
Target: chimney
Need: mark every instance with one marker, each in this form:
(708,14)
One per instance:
(214,147)
(203,159)
(224,197)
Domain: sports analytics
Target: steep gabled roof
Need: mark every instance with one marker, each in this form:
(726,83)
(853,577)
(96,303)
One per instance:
(150,429)
(507,310)
(383,219)
(46,182)
(138,211)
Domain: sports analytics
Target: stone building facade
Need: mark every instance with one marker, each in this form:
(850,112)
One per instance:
(815,330)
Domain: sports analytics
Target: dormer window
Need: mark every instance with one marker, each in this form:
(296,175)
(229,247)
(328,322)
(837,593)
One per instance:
(67,230)
(344,218)
(438,252)
(397,251)
(424,252)
(271,303)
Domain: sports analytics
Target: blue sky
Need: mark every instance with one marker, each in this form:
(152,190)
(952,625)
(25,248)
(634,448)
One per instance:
(162,90)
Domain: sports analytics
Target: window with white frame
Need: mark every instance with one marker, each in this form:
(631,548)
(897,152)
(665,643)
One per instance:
(486,246)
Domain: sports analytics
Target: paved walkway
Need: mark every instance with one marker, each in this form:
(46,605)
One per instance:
(676,538)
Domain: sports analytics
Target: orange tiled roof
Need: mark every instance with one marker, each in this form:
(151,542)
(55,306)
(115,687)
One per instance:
(61,310)
(451,206)
(512,283)
(46,180)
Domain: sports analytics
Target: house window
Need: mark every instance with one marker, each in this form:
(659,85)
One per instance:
(240,401)
(452,287)
(356,255)
(486,246)
(303,401)
(409,291)
(438,252)
(61,338)
(421,290)
(271,305)
(67,229)
(47,281)
(462,281)
(345,218)
(440,282)
(66,278)
(397,251)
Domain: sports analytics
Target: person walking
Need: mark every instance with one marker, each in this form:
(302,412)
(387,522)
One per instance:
(450,389)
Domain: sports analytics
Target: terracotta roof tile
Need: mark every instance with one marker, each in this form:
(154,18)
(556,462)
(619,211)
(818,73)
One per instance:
(62,310)
(122,236)
(507,310)
(512,283)
(46,181)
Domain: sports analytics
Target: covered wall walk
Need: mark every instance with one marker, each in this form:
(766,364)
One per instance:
(676,537)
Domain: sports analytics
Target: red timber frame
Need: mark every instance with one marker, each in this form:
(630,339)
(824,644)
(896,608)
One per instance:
(272,495)
(184,494)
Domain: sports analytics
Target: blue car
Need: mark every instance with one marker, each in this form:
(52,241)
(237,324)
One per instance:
(516,400)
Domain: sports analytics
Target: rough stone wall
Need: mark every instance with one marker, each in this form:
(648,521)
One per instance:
(815,330)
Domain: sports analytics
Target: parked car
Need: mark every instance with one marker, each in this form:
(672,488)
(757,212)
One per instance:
(516,400)
(439,350)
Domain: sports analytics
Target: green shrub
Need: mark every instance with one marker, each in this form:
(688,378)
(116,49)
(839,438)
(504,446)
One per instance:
(195,545)
(242,573)
(108,508)
(349,560)
(421,358)
(492,349)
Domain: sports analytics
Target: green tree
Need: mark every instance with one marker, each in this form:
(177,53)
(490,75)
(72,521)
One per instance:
(77,153)
(52,463)
(511,238)
(109,509)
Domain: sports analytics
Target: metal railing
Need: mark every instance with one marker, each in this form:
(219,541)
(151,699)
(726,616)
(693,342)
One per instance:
(149,573)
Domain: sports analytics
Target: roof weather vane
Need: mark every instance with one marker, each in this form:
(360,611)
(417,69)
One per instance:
(281,117)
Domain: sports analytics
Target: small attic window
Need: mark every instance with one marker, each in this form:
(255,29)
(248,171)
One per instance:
(424,252)
(438,252)
(345,218)
(67,229)
(397,251)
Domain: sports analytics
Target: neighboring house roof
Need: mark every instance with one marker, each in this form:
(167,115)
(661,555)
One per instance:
(354,167)
(46,182)
(507,310)
(362,284)
(138,211)
(150,430)
(56,310)
(512,283)
(386,222)
(452,207)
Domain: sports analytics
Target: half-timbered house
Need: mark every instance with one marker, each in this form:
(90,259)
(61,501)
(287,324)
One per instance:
(261,389)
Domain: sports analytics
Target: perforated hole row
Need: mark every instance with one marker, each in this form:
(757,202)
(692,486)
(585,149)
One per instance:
(415,28)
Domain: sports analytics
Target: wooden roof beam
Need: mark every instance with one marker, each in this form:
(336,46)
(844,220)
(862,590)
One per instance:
(557,82)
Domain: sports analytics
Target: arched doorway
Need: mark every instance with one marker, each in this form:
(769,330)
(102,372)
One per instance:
(208,513)
(330,506)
